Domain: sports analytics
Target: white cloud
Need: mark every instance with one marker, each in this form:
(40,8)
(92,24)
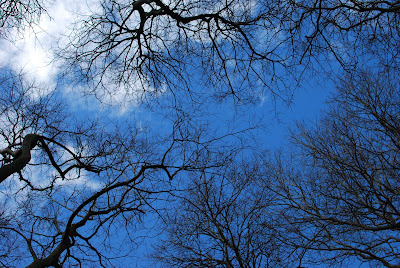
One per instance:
(32,51)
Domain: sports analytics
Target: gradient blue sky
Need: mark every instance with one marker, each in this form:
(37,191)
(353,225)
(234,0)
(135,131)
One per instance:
(33,55)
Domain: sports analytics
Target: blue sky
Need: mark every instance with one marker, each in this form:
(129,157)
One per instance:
(32,53)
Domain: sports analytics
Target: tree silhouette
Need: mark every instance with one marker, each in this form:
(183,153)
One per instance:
(339,185)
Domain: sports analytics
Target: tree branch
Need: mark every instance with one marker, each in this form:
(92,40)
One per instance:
(22,157)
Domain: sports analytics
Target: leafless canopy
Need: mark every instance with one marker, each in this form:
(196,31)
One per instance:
(71,184)
(224,220)
(15,14)
(240,48)
(227,46)
(340,185)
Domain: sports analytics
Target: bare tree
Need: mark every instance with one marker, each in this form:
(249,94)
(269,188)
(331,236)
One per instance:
(181,46)
(224,219)
(20,113)
(70,185)
(16,14)
(242,48)
(351,33)
(340,184)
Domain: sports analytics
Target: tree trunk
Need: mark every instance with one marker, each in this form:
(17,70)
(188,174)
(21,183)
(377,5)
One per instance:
(22,157)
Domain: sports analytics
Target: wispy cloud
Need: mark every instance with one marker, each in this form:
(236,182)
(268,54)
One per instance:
(32,49)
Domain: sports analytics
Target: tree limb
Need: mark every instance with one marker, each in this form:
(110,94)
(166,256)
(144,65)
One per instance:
(22,157)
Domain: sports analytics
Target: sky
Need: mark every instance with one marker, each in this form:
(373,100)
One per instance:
(32,50)
(32,53)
